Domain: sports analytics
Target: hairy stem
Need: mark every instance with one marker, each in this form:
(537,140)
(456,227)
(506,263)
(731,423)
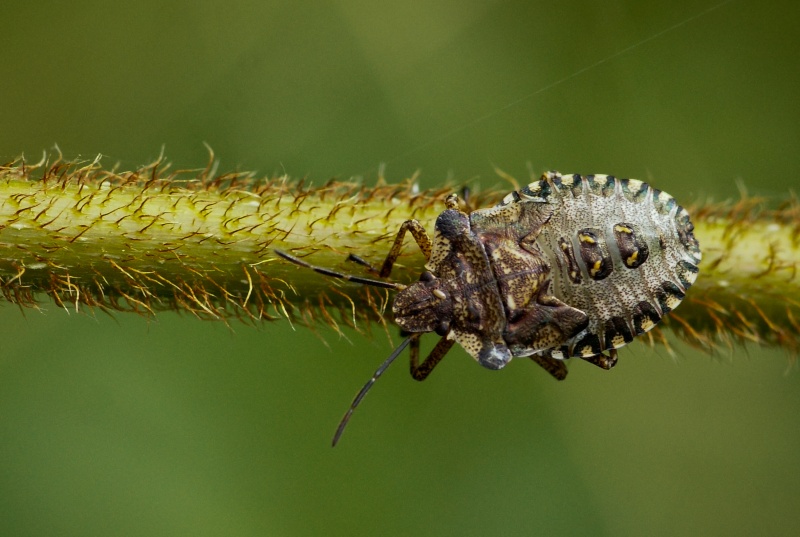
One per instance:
(152,240)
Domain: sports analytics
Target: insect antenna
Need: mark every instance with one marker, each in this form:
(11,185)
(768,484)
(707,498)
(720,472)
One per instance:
(365,281)
(341,275)
(360,395)
(361,261)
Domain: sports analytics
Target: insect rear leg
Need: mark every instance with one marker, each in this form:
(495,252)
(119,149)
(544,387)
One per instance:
(602,361)
(419,234)
(421,371)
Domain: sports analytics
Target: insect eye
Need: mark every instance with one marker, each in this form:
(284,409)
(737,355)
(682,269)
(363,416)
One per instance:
(443,328)
(426,276)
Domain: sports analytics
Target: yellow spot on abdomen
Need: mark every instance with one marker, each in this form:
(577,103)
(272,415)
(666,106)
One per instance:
(622,229)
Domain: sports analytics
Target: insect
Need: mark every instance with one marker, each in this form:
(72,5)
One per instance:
(568,266)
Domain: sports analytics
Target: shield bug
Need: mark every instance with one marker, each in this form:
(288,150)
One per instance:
(568,266)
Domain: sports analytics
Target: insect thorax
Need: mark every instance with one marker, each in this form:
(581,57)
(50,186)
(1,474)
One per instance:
(464,283)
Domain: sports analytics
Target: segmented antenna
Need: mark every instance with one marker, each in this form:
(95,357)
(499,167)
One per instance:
(341,275)
(365,281)
(360,395)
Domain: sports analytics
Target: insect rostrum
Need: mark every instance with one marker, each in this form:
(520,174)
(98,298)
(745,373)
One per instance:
(568,266)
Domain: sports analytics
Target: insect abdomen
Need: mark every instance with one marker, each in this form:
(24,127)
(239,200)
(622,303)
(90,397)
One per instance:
(619,250)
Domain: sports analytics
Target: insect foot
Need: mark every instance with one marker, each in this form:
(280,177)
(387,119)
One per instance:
(568,266)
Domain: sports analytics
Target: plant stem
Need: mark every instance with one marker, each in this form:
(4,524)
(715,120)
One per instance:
(153,240)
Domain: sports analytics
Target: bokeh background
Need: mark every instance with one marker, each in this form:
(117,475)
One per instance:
(174,426)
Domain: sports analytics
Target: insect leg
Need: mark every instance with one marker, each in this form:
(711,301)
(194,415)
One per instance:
(602,361)
(419,234)
(557,368)
(465,195)
(421,371)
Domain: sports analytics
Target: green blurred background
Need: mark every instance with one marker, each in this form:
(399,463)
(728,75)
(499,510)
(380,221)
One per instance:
(173,426)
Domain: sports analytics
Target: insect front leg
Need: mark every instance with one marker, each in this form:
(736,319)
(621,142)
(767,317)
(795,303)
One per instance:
(419,234)
(421,371)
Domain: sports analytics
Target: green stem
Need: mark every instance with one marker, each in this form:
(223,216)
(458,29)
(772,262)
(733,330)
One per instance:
(151,240)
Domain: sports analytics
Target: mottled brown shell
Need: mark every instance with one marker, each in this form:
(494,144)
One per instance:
(567,266)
